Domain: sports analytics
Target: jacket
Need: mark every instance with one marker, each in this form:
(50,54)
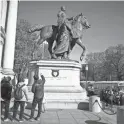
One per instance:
(25,92)
(6,90)
(38,88)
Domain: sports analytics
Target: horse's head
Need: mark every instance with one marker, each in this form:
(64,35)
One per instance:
(83,20)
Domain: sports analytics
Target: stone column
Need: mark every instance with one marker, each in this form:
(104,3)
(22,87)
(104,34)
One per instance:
(3,11)
(8,60)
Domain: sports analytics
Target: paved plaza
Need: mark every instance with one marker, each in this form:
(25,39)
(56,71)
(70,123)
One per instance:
(69,117)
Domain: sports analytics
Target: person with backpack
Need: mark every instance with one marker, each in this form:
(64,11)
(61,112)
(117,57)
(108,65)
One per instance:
(6,90)
(20,96)
(38,90)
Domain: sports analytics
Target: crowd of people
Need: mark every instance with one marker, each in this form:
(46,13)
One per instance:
(109,95)
(20,93)
(112,96)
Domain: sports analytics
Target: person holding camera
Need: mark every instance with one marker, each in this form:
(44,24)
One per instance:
(38,90)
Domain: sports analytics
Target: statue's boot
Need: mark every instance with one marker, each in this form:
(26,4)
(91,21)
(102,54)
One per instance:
(54,56)
(59,57)
(65,55)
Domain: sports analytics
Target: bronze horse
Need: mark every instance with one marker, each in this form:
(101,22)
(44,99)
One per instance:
(48,33)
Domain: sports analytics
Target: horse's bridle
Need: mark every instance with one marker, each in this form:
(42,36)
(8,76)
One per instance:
(85,27)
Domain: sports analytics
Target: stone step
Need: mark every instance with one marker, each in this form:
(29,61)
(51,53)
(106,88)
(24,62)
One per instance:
(62,100)
(62,89)
(64,104)
(61,104)
(61,96)
(55,103)
(67,105)
(70,96)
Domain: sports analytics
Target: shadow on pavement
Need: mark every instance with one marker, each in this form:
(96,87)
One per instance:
(83,106)
(25,116)
(29,105)
(93,122)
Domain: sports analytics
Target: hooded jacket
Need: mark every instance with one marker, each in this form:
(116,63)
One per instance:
(6,90)
(38,88)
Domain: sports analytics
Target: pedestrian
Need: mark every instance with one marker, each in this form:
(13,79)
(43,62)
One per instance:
(122,99)
(110,98)
(20,96)
(38,90)
(6,90)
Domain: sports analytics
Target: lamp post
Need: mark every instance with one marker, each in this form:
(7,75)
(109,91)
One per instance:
(86,68)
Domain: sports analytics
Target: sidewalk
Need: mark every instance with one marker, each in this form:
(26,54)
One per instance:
(68,117)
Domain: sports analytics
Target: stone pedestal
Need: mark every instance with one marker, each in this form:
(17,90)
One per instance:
(93,105)
(62,87)
(120,115)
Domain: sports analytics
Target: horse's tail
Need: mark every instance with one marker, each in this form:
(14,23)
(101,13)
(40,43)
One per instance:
(35,28)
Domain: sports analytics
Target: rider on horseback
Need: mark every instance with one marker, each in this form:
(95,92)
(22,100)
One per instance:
(63,34)
(62,19)
(67,33)
(75,31)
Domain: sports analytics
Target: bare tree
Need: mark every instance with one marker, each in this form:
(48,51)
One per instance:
(115,61)
(108,65)
(95,61)
(24,45)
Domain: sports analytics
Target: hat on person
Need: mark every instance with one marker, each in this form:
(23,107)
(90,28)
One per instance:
(36,77)
(8,78)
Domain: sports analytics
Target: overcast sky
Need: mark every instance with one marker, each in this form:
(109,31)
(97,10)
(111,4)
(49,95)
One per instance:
(106,19)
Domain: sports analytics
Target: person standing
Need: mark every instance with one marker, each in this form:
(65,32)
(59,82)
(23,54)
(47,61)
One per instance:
(21,96)
(38,90)
(110,98)
(6,90)
(122,98)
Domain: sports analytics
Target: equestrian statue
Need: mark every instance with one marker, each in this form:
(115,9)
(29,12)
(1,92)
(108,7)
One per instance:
(66,33)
